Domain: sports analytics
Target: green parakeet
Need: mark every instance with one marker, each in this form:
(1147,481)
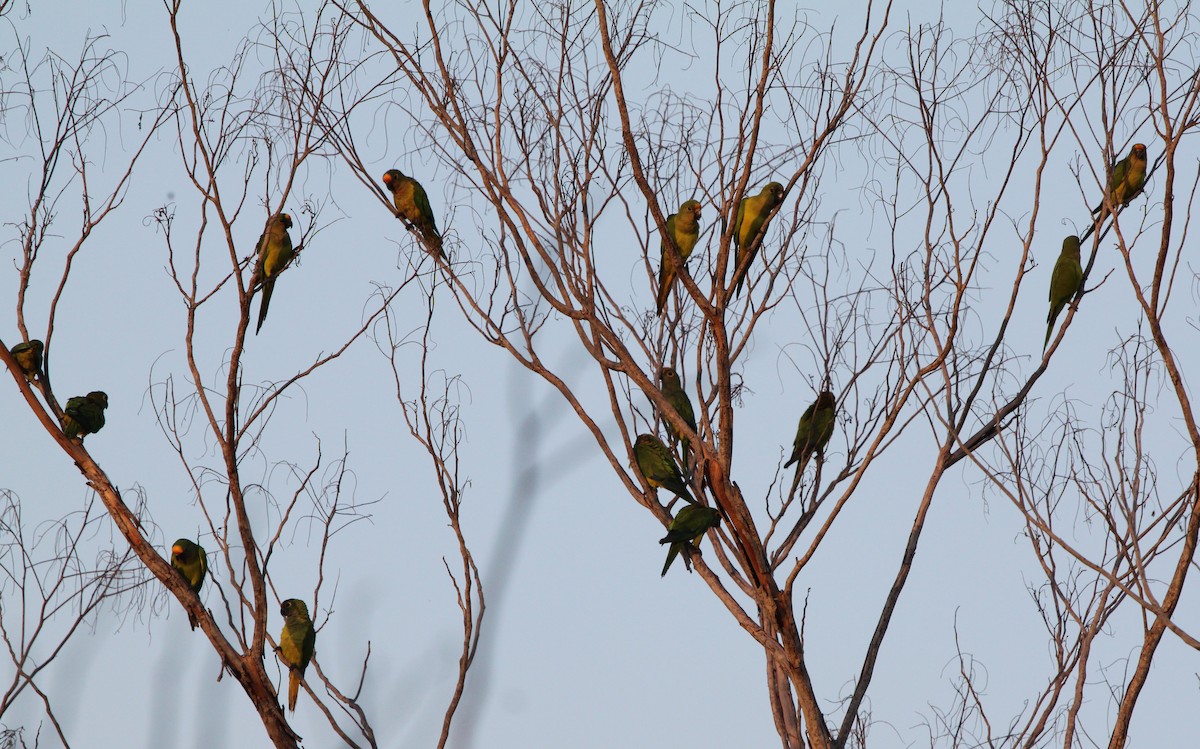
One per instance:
(684,227)
(1064,282)
(688,527)
(412,205)
(672,390)
(29,357)
(296,644)
(191,562)
(1127,180)
(84,414)
(274,253)
(752,213)
(657,464)
(814,430)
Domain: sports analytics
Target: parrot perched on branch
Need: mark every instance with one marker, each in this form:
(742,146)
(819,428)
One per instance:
(412,205)
(656,463)
(688,527)
(1126,183)
(84,414)
(1065,281)
(672,390)
(814,430)
(191,562)
(29,357)
(274,253)
(749,224)
(684,228)
(296,644)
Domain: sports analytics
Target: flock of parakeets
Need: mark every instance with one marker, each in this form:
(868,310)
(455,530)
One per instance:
(85,414)
(653,458)
(655,461)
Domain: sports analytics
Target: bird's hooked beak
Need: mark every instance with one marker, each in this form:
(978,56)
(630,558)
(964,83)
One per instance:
(387,179)
(176,549)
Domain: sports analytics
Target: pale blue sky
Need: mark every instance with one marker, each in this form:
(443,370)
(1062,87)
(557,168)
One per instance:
(584,646)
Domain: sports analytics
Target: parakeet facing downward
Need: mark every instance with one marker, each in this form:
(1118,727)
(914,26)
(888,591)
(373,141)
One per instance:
(1127,180)
(672,390)
(814,430)
(274,253)
(412,205)
(191,562)
(29,357)
(296,644)
(688,527)
(84,414)
(657,464)
(684,227)
(1064,282)
(752,214)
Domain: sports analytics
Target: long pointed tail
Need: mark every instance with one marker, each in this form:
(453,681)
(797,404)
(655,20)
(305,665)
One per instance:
(666,278)
(264,303)
(293,689)
(671,553)
(433,240)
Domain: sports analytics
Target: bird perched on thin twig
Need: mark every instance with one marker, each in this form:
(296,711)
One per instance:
(814,430)
(1125,183)
(1065,281)
(275,252)
(749,227)
(684,228)
(412,205)
(688,527)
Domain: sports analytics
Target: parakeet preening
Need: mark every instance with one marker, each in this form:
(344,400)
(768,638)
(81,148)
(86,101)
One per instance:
(672,390)
(413,206)
(688,527)
(29,357)
(684,227)
(191,562)
(814,430)
(752,213)
(296,644)
(84,414)
(1127,180)
(657,464)
(274,253)
(1064,282)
